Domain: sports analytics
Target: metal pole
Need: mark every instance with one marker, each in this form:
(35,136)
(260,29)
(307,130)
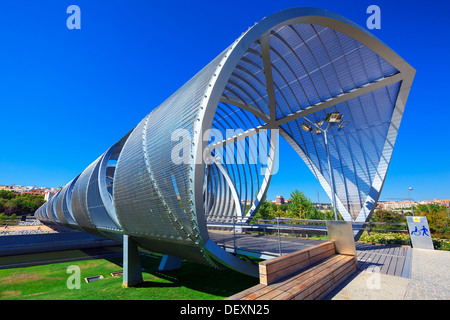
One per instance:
(279,242)
(234,235)
(410,203)
(333,196)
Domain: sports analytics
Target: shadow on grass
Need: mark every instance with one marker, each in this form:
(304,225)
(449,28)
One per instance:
(197,277)
(191,275)
(154,284)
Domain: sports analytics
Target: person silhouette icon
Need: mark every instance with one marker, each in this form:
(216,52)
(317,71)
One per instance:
(424,231)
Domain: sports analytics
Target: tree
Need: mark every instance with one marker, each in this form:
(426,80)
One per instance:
(4,194)
(11,203)
(382,215)
(329,215)
(436,216)
(2,204)
(301,207)
(266,209)
(388,216)
(11,207)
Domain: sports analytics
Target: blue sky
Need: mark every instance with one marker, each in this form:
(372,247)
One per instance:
(67,95)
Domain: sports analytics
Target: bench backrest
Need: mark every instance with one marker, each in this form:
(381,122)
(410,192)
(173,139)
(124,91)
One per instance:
(280,267)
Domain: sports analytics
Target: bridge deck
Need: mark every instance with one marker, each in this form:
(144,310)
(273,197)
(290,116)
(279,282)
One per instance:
(386,259)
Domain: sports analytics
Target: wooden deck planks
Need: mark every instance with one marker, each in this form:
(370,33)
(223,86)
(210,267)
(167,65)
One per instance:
(314,282)
(368,255)
(390,260)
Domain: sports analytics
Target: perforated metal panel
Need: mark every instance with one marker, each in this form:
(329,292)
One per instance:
(67,204)
(79,203)
(296,65)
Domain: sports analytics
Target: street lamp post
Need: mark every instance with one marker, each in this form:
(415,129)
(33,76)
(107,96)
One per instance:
(333,196)
(410,203)
(334,117)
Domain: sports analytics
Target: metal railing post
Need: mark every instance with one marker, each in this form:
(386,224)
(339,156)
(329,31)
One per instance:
(234,234)
(279,240)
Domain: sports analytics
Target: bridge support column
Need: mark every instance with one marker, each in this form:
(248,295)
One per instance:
(132,272)
(169,263)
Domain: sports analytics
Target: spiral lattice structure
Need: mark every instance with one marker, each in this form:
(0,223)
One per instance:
(210,149)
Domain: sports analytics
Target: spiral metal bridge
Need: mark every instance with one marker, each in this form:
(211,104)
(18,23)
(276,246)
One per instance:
(209,151)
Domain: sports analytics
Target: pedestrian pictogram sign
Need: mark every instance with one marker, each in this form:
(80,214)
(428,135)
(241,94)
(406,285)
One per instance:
(420,232)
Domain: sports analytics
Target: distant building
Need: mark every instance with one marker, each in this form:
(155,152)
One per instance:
(48,195)
(435,201)
(393,205)
(34,191)
(322,207)
(445,202)
(400,205)
(249,202)
(9,187)
(280,200)
(29,189)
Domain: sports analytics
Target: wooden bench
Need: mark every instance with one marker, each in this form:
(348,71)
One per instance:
(310,273)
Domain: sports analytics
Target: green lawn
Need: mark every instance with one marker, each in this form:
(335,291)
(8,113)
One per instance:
(191,282)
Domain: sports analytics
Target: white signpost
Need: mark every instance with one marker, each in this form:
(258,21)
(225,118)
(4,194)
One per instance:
(420,232)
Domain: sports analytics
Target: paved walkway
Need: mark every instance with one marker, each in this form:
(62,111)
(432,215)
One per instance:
(430,277)
(386,272)
(429,280)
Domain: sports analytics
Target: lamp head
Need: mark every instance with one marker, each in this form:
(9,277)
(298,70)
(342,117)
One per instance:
(334,117)
(306,126)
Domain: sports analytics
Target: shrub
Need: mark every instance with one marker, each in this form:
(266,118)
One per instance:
(386,238)
(400,239)
(11,220)
(441,244)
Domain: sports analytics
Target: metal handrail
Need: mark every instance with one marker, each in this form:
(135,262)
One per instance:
(282,224)
(244,221)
